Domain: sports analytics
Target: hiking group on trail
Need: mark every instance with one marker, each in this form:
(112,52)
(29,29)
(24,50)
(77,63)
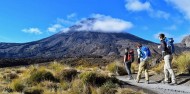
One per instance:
(144,57)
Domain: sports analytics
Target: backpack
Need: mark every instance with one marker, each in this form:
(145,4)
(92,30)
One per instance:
(145,52)
(170,44)
(130,56)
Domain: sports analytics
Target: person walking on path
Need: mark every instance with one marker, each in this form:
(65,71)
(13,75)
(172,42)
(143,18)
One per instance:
(143,57)
(167,50)
(128,59)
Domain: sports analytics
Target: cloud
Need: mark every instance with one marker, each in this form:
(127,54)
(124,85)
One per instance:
(159,14)
(72,15)
(62,24)
(65,21)
(104,23)
(98,22)
(55,28)
(32,31)
(182,5)
(136,5)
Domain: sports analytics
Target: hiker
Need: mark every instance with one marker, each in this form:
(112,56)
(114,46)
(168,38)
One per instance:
(128,59)
(143,57)
(167,48)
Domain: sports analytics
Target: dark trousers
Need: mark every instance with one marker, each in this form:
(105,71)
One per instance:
(128,68)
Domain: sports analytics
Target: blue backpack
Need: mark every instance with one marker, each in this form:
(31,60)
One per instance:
(170,44)
(145,52)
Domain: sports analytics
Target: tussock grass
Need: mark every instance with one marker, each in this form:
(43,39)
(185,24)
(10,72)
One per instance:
(77,87)
(34,90)
(182,63)
(93,78)
(158,69)
(134,67)
(56,66)
(57,78)
(10,76)
(129,91)
(41,75)
(17,85)
(108,88)
(116,67)
(65,85)
(66,74)
(49,85)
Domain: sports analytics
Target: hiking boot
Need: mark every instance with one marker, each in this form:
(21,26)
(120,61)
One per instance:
(137,81)
(165,82)
(147,82)
(173,84)
(130,78)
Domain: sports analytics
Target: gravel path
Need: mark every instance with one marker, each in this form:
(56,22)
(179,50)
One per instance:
(158,87)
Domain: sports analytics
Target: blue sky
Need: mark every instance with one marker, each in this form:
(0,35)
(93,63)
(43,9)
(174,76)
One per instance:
(29,20)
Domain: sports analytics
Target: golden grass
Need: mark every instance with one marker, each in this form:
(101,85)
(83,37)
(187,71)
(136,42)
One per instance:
(182,63)
(159,68)
(40,78)
(116,67)
(129,91)
(17,85)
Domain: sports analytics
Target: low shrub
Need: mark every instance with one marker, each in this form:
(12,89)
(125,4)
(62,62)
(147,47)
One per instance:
(55,66)
(116,68)
(10,76)
(112,67)
(20,71)
(182,62)
(110,84)
(77,87)
(8,89)
(67,74)
(94,90)
(159,68)
(65,85)
(88,77)
(134,67)
(128,91)
(108,88)
(95,79)
(49,85)
(17,85)
(41,75)
(33,91)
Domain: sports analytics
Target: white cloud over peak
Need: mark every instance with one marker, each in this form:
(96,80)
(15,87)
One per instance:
(105,23)
(55,28)
(182,5)
(32,30)
(64,21)
(136,5)
(62,24)
(72,15)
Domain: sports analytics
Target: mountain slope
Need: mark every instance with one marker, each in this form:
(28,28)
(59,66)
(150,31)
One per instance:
(73,44)
(186,41)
